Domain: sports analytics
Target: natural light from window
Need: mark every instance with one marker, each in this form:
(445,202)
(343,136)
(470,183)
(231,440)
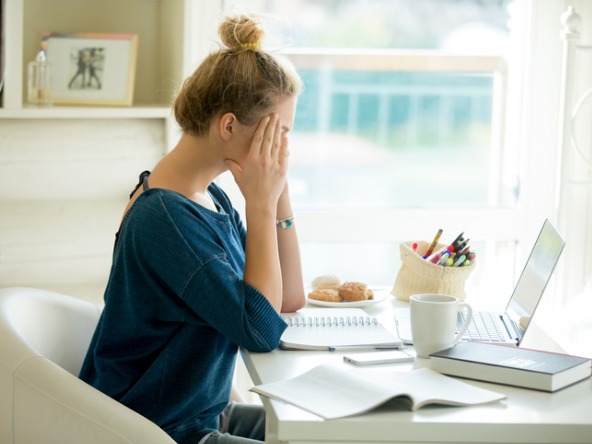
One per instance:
(401,112)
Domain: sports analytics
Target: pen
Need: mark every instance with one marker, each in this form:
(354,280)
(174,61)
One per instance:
(444,259)
(434,242)
(462,245)
(458,238)
(465,250)
(435,257)
(459,261)
(369,347)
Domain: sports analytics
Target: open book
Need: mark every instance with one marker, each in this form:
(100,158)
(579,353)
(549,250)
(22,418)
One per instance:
(333,391)
(335,328)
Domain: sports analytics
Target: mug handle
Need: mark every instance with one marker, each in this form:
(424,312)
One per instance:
(469,316)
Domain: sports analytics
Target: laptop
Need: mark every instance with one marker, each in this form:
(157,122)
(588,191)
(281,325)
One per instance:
(509,327)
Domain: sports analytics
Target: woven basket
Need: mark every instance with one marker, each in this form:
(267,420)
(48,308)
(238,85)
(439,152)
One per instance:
(417,275)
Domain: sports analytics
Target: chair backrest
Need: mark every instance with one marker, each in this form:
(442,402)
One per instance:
(55,326)
(44,337)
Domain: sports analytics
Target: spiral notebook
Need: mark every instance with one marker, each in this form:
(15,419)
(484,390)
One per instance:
(335,329)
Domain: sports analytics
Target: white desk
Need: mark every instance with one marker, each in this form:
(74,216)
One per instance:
(527,416)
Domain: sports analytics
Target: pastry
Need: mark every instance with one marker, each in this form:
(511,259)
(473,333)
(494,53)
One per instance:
(325,294)
(325,281)
(354,292)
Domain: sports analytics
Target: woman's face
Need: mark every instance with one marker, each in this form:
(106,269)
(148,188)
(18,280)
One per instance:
(285,109)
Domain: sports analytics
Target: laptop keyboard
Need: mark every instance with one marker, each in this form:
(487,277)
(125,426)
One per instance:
(485,326)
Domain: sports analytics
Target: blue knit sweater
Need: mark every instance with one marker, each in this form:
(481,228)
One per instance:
(176,311)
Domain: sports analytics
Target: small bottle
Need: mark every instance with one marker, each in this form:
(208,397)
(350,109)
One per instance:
(39,85)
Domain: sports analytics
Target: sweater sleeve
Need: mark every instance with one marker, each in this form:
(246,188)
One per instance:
(234,308)
(198,258)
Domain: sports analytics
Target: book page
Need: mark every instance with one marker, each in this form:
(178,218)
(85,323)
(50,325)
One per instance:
(429,387)
(332,391)
(329,391)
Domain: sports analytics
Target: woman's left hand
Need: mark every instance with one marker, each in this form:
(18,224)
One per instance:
(261,176)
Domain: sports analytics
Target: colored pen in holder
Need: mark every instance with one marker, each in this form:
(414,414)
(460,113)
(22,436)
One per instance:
(418,275)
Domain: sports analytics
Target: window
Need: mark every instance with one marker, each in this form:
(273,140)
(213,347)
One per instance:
(516,181)
(399,132)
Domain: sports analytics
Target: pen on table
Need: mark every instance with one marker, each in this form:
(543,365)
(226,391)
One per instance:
(434,243)
(369,347)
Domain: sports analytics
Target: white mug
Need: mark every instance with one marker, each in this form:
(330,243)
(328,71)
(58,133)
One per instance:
(433,322)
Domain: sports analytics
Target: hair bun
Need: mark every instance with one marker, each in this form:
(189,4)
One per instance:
(241,32)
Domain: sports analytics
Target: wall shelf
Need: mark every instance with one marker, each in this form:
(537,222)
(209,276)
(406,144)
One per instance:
(73,112)
(159,25)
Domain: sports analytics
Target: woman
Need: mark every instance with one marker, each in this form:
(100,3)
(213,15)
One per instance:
(189,284)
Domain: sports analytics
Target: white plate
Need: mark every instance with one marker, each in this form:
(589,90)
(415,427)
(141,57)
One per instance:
(380,295)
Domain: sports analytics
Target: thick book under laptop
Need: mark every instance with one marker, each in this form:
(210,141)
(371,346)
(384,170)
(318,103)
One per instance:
(521,367)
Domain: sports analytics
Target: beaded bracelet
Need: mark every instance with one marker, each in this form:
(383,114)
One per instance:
(285,223)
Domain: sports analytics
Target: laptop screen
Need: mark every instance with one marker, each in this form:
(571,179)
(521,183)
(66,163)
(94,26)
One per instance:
(535,276)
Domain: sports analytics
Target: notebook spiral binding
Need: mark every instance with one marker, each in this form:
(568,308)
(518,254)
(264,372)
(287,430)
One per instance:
(328,321)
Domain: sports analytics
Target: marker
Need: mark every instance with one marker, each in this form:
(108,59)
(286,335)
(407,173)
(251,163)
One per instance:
(458,238)
(414,246)
(465,250)
(460,245)
(459,261)
(434,242)
(444,259)
(465,242)
(435,257)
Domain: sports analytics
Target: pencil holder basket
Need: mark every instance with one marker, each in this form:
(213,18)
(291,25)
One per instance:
(418,275)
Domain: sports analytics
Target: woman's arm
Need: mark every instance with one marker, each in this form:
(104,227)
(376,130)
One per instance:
(289,252)
(272,263)
(261,178)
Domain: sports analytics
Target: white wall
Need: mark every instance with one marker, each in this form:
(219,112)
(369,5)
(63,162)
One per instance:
(63,187)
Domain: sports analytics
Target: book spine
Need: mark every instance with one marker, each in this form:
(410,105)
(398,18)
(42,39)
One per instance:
(330,321)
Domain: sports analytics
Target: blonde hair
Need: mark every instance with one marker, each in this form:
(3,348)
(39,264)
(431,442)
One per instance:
(240,78)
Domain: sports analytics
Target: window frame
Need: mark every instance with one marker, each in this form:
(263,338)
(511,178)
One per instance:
(316,224)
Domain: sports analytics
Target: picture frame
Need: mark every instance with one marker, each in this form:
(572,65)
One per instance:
(92,68)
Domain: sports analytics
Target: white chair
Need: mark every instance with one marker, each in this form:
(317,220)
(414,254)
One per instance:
(43,340)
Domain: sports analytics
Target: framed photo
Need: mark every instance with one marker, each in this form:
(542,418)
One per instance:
(91,68)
